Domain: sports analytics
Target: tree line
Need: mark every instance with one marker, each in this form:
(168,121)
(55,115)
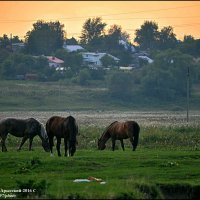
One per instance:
(165,78)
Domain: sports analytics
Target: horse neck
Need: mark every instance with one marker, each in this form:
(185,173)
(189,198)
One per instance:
(105,137)
(42,134)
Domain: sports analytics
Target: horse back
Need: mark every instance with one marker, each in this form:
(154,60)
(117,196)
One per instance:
(54,126)
(124,130)
(133,128)
(19,127)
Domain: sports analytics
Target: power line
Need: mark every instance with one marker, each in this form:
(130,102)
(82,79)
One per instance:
(103,15)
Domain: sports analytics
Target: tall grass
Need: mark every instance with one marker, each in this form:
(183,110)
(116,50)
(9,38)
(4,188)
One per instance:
(183,137)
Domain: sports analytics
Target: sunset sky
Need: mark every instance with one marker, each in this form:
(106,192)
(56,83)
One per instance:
(17,17)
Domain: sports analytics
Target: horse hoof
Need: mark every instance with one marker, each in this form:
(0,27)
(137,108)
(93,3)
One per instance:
(51,155)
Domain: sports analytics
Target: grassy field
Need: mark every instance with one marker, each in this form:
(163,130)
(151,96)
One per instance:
(60,96)
(146,173)
(165,165)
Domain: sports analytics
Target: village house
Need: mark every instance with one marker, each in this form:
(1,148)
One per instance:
(18,46)
(94,59)
(73,48)
(55,62)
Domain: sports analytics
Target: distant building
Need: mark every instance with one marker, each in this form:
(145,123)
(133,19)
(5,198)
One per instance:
(126,68)
(94,59)
(55,62)
(73,48)
(127,46)
(18,46)
(146,58)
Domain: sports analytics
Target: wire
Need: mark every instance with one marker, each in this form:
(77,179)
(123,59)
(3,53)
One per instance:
(83,17)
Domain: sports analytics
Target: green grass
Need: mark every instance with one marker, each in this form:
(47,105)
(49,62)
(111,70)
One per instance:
(31,95)
(165,165)
(124,172)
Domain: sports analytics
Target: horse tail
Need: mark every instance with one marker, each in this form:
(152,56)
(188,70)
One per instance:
(136,131)
(73,128)
(48,128)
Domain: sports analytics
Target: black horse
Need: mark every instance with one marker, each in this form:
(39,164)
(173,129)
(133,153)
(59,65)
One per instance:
(120,131)
(61,127)
(25,128)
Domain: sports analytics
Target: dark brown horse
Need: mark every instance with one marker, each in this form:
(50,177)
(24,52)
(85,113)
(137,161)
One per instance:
(25,128)
(119,131)
(61,127)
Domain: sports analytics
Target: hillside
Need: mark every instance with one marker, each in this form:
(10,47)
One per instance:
(27,95)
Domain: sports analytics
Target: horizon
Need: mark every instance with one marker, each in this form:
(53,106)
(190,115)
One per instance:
(18,17)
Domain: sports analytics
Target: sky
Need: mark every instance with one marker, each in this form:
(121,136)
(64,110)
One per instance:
(17,17)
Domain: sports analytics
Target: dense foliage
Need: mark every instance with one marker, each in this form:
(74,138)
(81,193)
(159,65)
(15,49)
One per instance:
(45,38)
(164,79)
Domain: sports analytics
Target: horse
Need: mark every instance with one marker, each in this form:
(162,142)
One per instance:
(25,128)
(61,127)
(119,131)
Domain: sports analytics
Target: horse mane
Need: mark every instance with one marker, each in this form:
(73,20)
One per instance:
(43,131)
(108,128)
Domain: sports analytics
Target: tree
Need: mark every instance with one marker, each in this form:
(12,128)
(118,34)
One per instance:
(84,76)
(92,30)
(5,42)
(16,39)
(147,35)
(120,85)
(107,61)
(71,41)
(166,78)
(188,38)
(45,37)
(115,34)
(72,60)
(17,63)
(190,46)
(166,39)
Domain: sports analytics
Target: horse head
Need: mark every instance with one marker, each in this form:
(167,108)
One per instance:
(72,148)
(44,137)
(101,145)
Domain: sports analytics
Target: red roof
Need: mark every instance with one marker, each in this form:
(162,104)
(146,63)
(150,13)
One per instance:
(54,59)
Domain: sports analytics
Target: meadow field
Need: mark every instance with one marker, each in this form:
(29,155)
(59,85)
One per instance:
(164,166)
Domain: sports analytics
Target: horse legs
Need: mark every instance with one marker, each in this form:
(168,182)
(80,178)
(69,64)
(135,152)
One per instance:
(122,144)
(58,145)
(66,146)
(113,144)
(22,142)
(51,144)
(30,143)
(3,143)
(133,143)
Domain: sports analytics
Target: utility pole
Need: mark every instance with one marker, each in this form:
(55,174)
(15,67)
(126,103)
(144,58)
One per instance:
(11,41)
(188,92)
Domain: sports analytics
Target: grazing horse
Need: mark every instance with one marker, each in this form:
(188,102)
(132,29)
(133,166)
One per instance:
(61,127)
(119,131)
(25,128)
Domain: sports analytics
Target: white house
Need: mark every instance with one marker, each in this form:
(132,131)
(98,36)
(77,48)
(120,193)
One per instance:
(18,46)
(73,48)
(92,58)
(126,68)
(149,60)
(127,46)
(55,62)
